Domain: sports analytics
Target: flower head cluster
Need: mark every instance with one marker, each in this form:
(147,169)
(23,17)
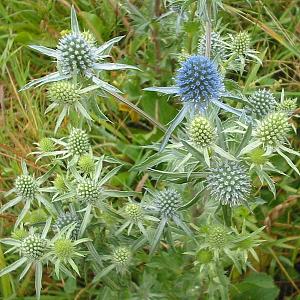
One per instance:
(217,237)
(122,257)
(33,247)
(63,92)
(287,105)
(262,102)
(273,129)
(78,142)
(199,80)
(46,145)
(88,192)
(201,131)
(134,212)
(167,202)
(75,54)
(26,186)
(229,183)
(86,164)
(241,43)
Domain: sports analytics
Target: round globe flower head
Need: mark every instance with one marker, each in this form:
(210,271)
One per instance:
(46,145)
(204,256)
(33,247)
(229,183)
(287,105)
(199,80)
(88,192)
(63,92)
(134,212)
(26,186)
(78,142)
(218,48)
(217,237)
(261,103)
(86,164)
(273,129)
(201,132)
(167,202)
(89,37)
(64,249)
(75,54)
(241,43)
(67,219)
(121,258)
(257,156)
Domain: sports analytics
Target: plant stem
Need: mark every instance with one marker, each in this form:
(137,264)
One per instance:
(227,214)
(5,282)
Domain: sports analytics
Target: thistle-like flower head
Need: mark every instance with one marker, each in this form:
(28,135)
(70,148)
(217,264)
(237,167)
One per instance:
(86,164)
(167,202)
(63,92)
(88,192)
(199,80)
(229,183)
(241,43)
(262,102)
(287,105)
(76,54)
(273,129)
(78,142)
(204,256)
(26,186)
(46,145)
(133,212)
(121,257)
(66,219)
(33,247)
(64,249)
(217,237)
(217,45)
(201,131)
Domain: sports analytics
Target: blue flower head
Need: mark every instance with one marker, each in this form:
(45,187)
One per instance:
(199,81)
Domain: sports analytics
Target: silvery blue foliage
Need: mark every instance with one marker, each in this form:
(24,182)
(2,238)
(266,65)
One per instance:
(199,81)
(229,183)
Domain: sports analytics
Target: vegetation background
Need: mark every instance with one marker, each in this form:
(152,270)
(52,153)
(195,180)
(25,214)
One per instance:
(152,44)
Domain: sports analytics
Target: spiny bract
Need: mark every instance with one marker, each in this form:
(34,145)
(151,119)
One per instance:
(273,129)
(261,103)
(241,43)
(26,186)
(63,249)
(201,132)
(88,192)
(199,80)
(63,92)
(229,183)
(33,247)
(76,54)
(167,201)
(78,142)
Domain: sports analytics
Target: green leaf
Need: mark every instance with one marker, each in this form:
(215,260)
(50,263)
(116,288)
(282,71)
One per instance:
(255,286)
